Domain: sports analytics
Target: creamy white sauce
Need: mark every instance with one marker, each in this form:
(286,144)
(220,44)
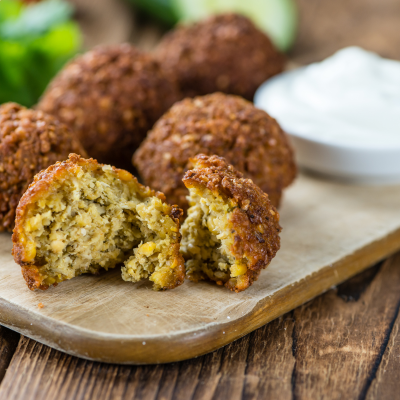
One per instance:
(350,99)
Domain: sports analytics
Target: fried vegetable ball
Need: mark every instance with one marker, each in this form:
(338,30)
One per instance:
(111,96)
(29,142)
(79,216)
(220,124)
(224,53)
(232,229)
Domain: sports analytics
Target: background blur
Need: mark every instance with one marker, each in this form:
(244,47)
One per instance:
(38,37)
(324,26)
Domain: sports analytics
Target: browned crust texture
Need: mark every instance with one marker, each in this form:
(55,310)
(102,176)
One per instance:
(111,96)
(44,183)
(254,222)
(29,142)
(224,53)
(220,124)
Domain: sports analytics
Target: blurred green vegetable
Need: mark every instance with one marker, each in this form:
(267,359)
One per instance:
(35,42)
(163,10)
(278,18)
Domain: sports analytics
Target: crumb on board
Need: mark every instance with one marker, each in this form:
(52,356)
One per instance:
(40,305)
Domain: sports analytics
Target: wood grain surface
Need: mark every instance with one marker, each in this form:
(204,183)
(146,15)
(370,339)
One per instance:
(331,231)
(342,345)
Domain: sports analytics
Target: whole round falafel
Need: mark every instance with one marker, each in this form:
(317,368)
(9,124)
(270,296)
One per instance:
(111,96)
(224,53)
(220,124)
(29,142)
(232,230)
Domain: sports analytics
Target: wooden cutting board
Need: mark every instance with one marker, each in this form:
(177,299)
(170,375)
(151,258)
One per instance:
(331,231)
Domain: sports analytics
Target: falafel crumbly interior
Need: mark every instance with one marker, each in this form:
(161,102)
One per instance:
(93,220)
(207,238)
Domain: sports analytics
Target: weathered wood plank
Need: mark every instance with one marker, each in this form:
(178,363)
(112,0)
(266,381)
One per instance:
(8,345)
(39,372)
(270,361)
(338,344)
(332,347)
(386,385)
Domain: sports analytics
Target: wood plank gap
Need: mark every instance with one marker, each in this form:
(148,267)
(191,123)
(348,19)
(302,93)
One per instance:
(211,366)
(181,391)
(159,384)
(150,376)
(124,393)
(40,362)
(81,379)
(111,383)
(379,358)
(67,377)
(386,384)
(58,360)
(8,345)
(249,348)
(168,382)
(294,352)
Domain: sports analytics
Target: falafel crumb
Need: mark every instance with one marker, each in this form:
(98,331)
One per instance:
(152,257)
(92,217)
(206,239)
(40,305)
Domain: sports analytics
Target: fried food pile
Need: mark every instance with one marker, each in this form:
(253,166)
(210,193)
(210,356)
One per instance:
(220,124)
(216,156)
(232,230)
(79,216)
(224,53)
(110,97)
(29,142)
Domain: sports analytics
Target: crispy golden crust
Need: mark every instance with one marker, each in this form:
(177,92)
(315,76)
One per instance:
(224,53)
(44,183)
(29,142)
(111,96)
(220,124)
(254,223)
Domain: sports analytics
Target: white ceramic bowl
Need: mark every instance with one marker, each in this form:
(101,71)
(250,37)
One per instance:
(377,163)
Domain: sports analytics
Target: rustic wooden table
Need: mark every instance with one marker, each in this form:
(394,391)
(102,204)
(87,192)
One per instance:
(344,344)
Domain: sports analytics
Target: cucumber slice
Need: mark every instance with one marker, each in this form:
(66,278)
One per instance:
(278,18)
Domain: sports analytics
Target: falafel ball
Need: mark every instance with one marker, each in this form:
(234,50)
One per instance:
(224,53)
(232,229)
(29,142)
(111,96)
(79,216)
(220,124)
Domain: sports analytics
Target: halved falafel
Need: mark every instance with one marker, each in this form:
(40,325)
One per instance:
(111,96)
(232,230)
(29,142)
(79,216)
(224,53)
(220,124)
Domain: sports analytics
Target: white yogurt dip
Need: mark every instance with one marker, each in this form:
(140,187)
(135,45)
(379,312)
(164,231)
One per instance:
(348,103)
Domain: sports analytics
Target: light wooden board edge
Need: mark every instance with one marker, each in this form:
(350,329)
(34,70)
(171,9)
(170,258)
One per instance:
(120,350)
